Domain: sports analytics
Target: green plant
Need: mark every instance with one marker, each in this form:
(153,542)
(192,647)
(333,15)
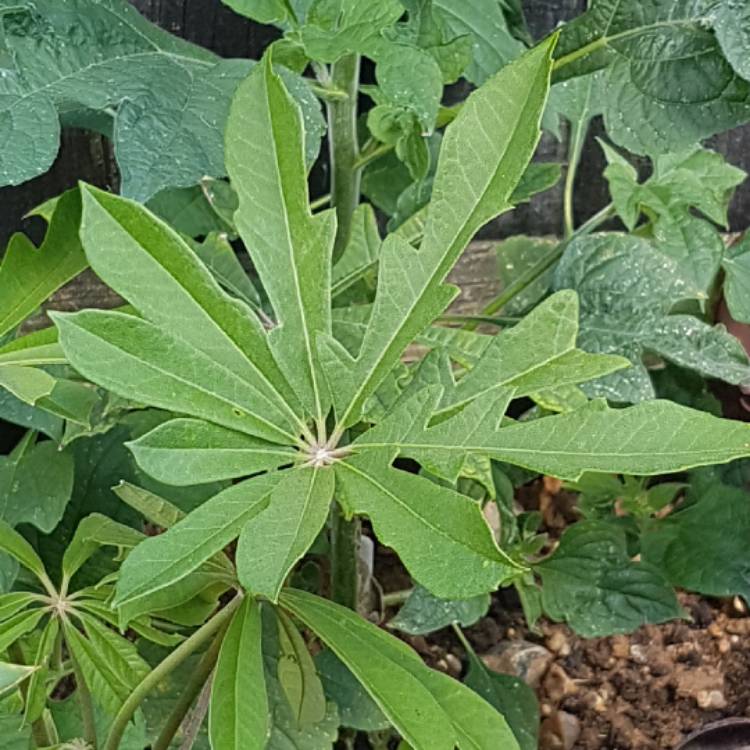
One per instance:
(277,412)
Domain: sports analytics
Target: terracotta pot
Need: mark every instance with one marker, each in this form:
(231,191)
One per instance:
(729,734)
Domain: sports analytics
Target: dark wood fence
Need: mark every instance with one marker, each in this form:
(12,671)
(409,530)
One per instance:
(210,24)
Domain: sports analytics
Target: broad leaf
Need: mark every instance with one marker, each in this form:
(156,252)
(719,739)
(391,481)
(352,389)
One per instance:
(732,26)
(590,583)
(628,288)
(736,265)
(166,559)
(296,512)
(703,546)
(263,11)
(189,451)
(239,705)
(485,152)
(424,613)
(29,275)
(290,247)
(12,675)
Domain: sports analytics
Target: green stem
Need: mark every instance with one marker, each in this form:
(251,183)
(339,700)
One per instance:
(464,641)
(38,728)
(502,321)
(164,668)
(526,279)
(344,148)
(189,694)
(395,598)
(345,540)
(328,93)
(322,202)
(85,702)
(372,155)
(575,149)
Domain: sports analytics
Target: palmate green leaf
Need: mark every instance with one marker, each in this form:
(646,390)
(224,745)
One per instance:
(156,271)
(140,361)
(538,353)
(424,613)
(484,155)
(655,437)
(238,716)
(163,560)
(296,512)
(486,24)
(428,709)
(29,275)
(702,547)
(13,603)
(18,626)
(590,582)
(291,248)
(441,536)
(190,451)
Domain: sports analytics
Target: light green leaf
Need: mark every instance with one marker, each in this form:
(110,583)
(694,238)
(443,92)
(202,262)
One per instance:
(168,558)
(298,677)
(416,517)
(188,211)
(154,269)
(484,155)
(12,675)
(13,544)
(361,253)
(110,664)
(141,361)
(655,437)
(238,716)
(28,384)
(538,178)
(219,257)
(514,257)
(19,625)
(702,547)
(389,670)
(13,603)
(153,508)
(93,532)
(190,451)
(296,512)
(590,583)
(484,21)
(29,275)
(334,28)
(36,693)
(424,613)
(290,247)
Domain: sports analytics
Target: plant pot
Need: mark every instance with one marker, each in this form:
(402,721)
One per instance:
(728,734)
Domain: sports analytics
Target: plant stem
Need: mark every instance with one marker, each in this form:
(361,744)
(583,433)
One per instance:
(85,702)
(345,534)
(501,321)
(189,694)
(527,278)
(321,202)
(38,728)
(575,149)
(344,148)
(169,664)
(395,597)
(372,155)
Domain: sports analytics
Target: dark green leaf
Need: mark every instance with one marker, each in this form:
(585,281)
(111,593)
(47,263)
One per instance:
(424,613)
